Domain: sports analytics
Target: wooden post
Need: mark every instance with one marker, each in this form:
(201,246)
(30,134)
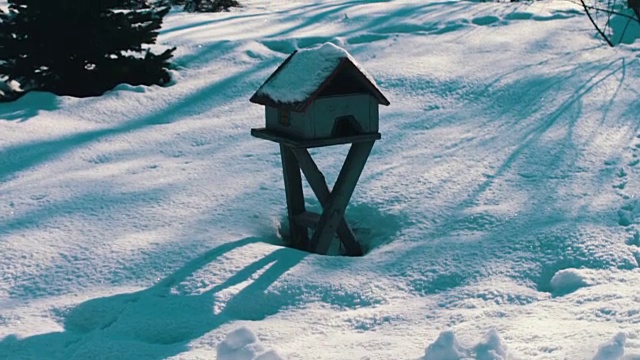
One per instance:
(339,198)
(295,197)
(321,190)
(296,158)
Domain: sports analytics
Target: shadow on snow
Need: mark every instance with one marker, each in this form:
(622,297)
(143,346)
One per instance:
(158,322)
(545,235)
(17,158)
(28,106)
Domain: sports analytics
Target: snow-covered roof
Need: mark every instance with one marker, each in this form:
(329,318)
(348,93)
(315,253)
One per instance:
(305,73)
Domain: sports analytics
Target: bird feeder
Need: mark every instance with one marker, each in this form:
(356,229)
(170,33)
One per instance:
(320,97)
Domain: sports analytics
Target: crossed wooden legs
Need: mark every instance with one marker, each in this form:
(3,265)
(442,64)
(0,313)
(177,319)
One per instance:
(334,203)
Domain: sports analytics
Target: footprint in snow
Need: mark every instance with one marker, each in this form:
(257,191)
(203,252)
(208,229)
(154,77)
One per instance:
(634,240)
(622,174)
(620,185)
(518,16)
(485,20)
(628,214)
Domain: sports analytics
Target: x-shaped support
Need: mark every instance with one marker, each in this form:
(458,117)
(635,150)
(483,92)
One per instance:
(334,203)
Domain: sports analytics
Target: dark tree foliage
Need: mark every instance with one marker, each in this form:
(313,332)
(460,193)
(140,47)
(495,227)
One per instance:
(80,47)
(206,5)
(134,4)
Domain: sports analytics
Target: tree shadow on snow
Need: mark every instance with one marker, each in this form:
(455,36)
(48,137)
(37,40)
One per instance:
(160,321)
(28,106)
(468,240)
(191,26)
(17,158)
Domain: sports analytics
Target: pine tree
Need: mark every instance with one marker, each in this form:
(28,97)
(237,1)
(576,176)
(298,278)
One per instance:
(6,91)
(134,4)
(79,47)
(208,5)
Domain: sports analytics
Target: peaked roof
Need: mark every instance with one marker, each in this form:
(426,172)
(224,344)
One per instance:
(306,74)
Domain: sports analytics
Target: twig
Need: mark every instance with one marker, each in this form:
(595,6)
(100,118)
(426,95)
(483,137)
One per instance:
(604,36)
(613,12)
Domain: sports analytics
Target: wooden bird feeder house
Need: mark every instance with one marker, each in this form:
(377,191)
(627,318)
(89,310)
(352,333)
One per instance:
(320,97)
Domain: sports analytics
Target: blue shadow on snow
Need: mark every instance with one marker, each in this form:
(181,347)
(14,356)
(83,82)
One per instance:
(159,322)
(28,106)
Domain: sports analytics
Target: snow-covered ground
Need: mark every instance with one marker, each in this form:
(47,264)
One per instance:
(500,209)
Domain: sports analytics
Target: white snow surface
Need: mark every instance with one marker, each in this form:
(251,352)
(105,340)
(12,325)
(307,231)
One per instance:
(568,280)
(242,344)
(445,347)
(612,350)
(499,212)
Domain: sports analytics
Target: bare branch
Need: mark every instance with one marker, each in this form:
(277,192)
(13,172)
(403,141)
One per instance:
(604,36)
(613,12)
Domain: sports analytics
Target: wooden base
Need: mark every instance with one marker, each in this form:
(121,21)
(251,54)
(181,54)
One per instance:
(296,157)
